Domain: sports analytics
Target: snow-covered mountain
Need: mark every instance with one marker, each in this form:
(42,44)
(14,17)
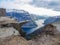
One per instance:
(25,13)
(22,15)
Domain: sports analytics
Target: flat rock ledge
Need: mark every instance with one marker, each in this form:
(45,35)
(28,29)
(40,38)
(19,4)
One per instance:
(43,40)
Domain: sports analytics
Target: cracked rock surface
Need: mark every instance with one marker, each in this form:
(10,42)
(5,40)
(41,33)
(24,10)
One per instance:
(18,40)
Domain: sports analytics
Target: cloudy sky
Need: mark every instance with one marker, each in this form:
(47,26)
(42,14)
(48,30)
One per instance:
(39,7)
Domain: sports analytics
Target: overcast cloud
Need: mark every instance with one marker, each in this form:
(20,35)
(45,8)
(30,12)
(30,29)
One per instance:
(51,4)
(39,7)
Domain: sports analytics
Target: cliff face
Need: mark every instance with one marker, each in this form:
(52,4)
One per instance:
(12,39)
(18,40)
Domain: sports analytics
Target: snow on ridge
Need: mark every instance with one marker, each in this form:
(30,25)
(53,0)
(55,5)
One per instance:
(15,10)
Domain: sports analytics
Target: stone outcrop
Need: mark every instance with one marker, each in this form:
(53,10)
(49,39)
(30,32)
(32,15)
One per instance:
(49,29)
(2,12)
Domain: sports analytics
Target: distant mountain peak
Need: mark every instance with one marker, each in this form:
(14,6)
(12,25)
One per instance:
(16,10)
